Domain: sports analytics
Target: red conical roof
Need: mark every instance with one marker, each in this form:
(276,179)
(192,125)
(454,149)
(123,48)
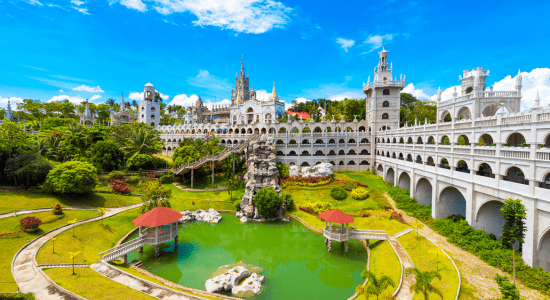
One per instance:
(336,216)
(157,217)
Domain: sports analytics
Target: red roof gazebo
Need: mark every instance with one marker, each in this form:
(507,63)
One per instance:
(158,226)
(333,232)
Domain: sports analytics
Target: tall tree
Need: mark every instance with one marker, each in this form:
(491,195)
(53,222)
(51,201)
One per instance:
(376,285)
(514,227)
(423,282)
(143,140)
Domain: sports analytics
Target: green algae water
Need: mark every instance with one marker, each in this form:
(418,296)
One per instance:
(294,259)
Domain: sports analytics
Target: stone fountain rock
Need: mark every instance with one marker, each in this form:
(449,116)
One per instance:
(227,280)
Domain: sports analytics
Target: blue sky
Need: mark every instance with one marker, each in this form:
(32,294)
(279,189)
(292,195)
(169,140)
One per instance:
(95,49)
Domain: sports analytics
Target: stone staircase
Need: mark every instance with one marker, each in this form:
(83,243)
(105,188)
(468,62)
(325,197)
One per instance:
(402,233)
(219,157)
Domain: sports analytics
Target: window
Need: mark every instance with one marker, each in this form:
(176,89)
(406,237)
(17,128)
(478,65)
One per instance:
(385,116)
(152,109)
(386,92)
(386,104)
(152,116)
(153,124)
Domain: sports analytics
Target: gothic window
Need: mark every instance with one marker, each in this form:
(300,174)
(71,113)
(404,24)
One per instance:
(142,116)
(386,104)
(386,92)
(142,108)
(152,116)
(385,78)
(152,109)
(385,116)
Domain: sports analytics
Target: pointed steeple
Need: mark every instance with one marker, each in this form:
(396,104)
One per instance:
(274,92)
(439,94)
(9,114)
(122,106)
(242,66)
(518,78)
(537,99)
(87,113)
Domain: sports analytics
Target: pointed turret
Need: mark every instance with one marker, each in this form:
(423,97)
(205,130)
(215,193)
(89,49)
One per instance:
(519,83)
(274,92)
(87,113)
(537,100)
(9,114)
(242,67)
(122,106)
(439,94)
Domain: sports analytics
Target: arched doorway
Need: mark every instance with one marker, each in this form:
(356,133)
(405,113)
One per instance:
(390,176)
(451,202)
(404,181)
(490,218)
(544,251)
(380,168)
(423,193)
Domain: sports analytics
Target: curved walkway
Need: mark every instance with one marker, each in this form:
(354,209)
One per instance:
(29,276)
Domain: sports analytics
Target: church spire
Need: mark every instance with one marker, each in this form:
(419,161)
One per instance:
(122,107)
(242,66)
(274,92)
(9,114)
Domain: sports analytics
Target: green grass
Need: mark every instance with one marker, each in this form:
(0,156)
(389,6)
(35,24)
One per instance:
(373,181)
(423,257)
(20,201)
(181,200)
(206,181)
(12,243)
(384,261)
(92,285)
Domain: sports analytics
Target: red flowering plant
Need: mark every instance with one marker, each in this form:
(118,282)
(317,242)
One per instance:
(307,210)
(30,224)
(119,186)
(398,217)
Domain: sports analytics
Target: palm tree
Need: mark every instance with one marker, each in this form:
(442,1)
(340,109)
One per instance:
(53,243)
(143,141)
(74,128)
(72,222)
(110,102)
(423,282)
(102,211)
(73,255)
(376,285)
(231,186)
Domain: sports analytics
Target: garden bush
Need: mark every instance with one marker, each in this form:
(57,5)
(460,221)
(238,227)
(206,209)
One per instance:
(119,186)
(283,170)
(166,178)
(307,210)
(237,205)
(30,224)
(319,207)
(268,202)
(106,156)
(302,181)
(57,210)
(398,217)
(289,202)
(72,177)
(360,194)
(140,161)
(349,185)
(379,198)
(116,175)
(338,194)
(161,163)
(405,202)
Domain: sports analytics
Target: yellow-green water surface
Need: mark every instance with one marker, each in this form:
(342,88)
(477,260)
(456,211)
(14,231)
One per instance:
(294,259)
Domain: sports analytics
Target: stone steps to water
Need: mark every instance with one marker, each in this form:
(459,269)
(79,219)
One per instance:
(137,264)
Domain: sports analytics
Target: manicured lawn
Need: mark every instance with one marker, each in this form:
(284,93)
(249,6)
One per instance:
(92,285)
(384,261)
(373,223)
(422,253)
(181,200)
(19,201)
(373,181)
(10,244)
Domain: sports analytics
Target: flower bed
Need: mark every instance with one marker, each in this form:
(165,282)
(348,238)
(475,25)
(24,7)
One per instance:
(301,181)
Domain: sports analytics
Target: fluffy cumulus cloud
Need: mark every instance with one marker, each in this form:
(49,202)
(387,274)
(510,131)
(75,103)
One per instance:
(72,99)
(184,100)
(418,93)
(376,41)
(94,97)
(537,79)
(247,16)
(345,44)
(89,89)
(208,81)
(139,96)
(13,102)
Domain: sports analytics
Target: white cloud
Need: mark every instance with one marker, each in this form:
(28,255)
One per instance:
(417,93)
(139,96)
(13,102)
(77,2)
(345,44)
(263,95)
(248,16)
(183,100)
(224,102)
(89,89)
(34,2)
(94,97)
(61,91)
(376,41)
(72,99)
(133,4)
(537,79)
(82,10)
(205,80)
(447,94)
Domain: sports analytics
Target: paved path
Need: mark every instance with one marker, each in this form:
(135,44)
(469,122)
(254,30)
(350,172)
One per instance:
(404,293)
(37,210)
(31,279)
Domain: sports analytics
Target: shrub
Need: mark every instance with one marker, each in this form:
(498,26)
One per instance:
(319,207)
(57,210)
(361,184)
(359,194)
(268,202)
(405,202)
(307,210)
(140,161)
(237,205)
(30,224)
(161,163)
(338,194)
(398,217)
(133,179)
(302,181)
(166,178)
(379,198)
(349,185)
(116,174)
(119,186)
(72,177)
(508,290)
(27,169)
(289,202)
(283,170)
(106,155)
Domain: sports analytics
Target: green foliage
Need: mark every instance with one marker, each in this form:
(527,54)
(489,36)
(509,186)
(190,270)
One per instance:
(461,141)
(379,198)
(338,194)
(57,209)
(30,224)
(360,194)
(376,285)
(106,156)
(514,226)
(237,204)
(142,139)
(27,168)
(155,196)
(268,202)
(75,145)
(481,142)
(166,178)
(231,186)
(116,175)
(73,177)
(13,139)
(27,296)
(508,290)
(409,205)
(318,207)
(446,141)
(283,170)
(190,150)
(413,109)
(423,282)
(140,161)
(349,185)
(289,202)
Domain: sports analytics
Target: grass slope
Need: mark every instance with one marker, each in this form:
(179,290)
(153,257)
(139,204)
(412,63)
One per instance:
(384,261)
(422,253)
(10,244)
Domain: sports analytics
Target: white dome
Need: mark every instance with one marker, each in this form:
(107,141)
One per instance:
(149,84)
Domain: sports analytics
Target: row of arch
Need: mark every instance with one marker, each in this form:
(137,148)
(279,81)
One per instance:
(514,139)
(321,153)
(340,163)
(321,142)
(263,130)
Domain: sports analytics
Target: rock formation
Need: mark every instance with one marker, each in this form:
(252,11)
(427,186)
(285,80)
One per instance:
(322,169)
(210,216)
(252,283)
(227,280)
(261,172)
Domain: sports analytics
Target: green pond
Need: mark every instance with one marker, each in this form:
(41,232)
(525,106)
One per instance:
(294,259)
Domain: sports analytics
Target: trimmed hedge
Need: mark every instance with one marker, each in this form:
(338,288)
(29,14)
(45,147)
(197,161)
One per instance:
(338,194)
(360,194)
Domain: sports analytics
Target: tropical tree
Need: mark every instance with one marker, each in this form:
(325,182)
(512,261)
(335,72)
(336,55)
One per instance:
(514,227)
(231,186)
(53,243)
(508,291)
(72,222)
(376,285)
(417,225)
(102,211)
(144,140)
(423,282)
(155,196)
(72,256)
(72,177)
(106,156)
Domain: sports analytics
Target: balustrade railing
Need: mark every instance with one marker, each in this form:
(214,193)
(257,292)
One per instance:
(515,154)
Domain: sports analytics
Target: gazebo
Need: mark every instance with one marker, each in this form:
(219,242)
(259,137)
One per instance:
(158,226)
(333,232)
